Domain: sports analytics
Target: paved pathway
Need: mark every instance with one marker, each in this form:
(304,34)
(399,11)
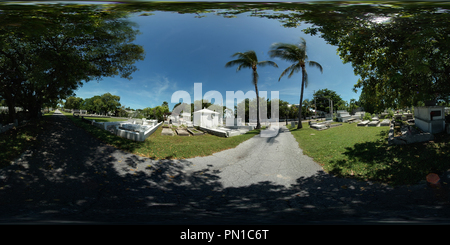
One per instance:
(72,177)
(277,160)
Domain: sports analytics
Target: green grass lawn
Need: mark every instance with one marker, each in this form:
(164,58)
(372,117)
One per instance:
(363,153)
(15,141)
(159,146)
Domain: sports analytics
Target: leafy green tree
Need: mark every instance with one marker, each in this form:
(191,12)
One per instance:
(101,104)
(122,112)
(297,55)
(293,111)
(283,109)
(307,105)
(400,53)
(147,112)
(73,103)
(250,60)
(323,97)
(47,52)
(89,104)
(352,106)
(159,112)
(110,103)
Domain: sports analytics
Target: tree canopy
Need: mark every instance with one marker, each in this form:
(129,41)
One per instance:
(73,103)
(322,99)
(46,52)
(100,104)
(399,50)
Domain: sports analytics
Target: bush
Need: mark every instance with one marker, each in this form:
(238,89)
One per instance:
(367,116)
(390,113)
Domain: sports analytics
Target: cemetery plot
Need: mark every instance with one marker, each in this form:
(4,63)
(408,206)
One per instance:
(385,122)
(363,123)
(335,125)
(182,132)
(134,132)
(343,116)
(167,131)
(126,129)
(373,123)
(408,135)
(430,118)
(194,131)
(320,126)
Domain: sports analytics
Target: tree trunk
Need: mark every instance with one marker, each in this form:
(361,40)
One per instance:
(255,81)
(301,99)
(11,110)
(258,118)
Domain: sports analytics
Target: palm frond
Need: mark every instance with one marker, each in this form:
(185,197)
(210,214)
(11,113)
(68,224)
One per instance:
(251,55)
(240,54)
(243,65)
(315,64)
(291,67)
(267,62)
(296,68)
(285,51)
(235,62)
(288,52)
(302,44)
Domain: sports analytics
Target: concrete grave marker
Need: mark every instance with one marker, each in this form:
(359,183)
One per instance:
(373,123)
(385,122)
(363,123)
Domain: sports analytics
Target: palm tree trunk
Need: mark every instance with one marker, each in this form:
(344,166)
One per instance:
(301,99)
(258,121)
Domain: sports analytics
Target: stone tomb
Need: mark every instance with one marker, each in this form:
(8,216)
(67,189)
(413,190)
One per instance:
(385,122)
(194,131)
(363,123)
(430,118)
(409,135)
(358,115)
(383,115)
(373,123)
(343,116)
(182,132)
(320,126)
(167,129)
(408,116)
(131,131)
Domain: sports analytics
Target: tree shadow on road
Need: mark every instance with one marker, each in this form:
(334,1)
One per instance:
(78,179)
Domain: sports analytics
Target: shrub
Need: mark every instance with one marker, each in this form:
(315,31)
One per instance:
(367,116)
(390,113)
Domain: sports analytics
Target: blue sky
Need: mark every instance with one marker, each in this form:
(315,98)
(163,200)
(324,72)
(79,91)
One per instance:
(182,50)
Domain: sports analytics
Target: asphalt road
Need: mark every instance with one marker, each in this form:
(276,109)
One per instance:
(72,178)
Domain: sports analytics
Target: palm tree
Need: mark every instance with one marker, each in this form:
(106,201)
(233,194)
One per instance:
(249,60)
(296,54)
